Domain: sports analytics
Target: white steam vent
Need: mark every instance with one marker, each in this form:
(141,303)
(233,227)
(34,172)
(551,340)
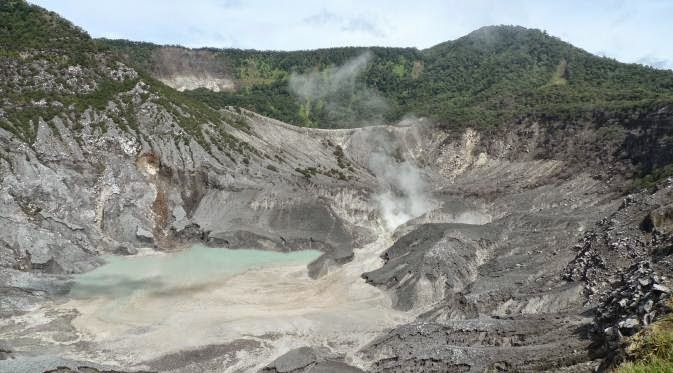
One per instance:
(404,193)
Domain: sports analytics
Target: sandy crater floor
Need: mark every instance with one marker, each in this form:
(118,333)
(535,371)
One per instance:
(274,303)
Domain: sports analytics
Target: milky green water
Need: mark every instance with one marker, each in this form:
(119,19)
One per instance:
(166,274)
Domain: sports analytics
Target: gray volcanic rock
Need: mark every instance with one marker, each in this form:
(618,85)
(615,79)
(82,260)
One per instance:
(51,364)
(86,369)
(144,235)
(308,360)
(662,219)
(293,361)
(206,358)
(533,344)
(545,279)
(521,271)
(5,353)
(443,257)
(334,367)
(269,219)
(123,250)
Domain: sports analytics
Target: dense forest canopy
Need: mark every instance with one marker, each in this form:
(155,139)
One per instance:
(492,75)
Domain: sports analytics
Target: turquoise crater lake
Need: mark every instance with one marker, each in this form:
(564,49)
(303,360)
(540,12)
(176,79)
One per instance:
(140,308)
(166,274)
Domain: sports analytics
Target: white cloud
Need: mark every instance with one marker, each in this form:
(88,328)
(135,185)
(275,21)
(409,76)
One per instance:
(656,62)
(344,23)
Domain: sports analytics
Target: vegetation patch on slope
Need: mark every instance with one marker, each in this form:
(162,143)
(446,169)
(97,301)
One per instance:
(651,351)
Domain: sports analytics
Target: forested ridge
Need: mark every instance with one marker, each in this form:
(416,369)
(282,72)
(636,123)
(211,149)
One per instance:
(492,75)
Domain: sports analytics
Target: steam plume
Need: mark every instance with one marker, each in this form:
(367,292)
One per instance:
(403,195)
(337,96)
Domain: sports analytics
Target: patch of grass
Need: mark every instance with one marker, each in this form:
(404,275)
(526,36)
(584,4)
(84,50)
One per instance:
(237,120)
(559,77)
(336,174)
(307,172)
(341,158)
(651,351)
(653,178)
(654,366)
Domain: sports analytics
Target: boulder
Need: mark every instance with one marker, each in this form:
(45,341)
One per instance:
(334,367)
(5,352)
(629,326)
(309,360)
(144,235)
(123,250)
(661,288)
(293,361)
(50,266)
(662,219)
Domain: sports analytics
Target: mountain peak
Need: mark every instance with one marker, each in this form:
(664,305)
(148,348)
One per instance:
(25,26)
(498,38)
(494,31)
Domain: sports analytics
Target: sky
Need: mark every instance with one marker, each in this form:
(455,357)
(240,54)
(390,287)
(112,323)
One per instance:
(638,31)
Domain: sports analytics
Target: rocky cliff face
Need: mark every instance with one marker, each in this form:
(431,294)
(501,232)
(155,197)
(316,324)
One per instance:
(185,69)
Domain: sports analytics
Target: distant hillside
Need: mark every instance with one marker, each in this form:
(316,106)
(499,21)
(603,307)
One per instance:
(52,71)
(489,76)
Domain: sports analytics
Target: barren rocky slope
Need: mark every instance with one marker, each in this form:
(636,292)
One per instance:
(519,250)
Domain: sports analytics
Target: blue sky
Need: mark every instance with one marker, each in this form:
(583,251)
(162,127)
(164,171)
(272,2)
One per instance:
(630,31)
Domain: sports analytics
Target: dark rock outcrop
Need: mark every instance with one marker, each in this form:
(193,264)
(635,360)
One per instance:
(308,360)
